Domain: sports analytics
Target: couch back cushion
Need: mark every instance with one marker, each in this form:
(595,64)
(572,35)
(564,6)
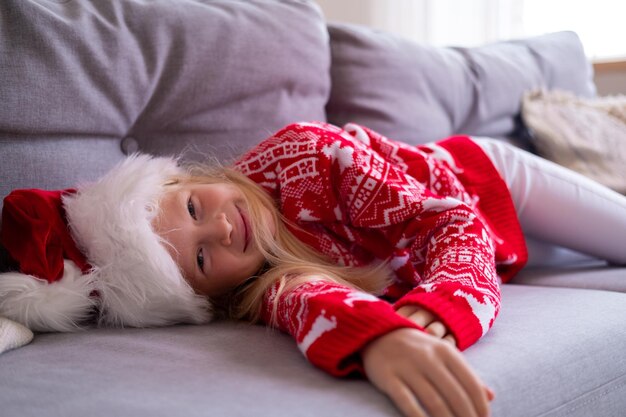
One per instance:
(419,93)
(84,82)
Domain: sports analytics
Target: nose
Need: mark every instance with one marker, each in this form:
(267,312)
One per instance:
(217,229)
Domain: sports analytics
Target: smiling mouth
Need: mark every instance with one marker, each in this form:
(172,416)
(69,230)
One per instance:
(246,237)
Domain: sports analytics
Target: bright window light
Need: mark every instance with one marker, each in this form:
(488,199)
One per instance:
(599,23)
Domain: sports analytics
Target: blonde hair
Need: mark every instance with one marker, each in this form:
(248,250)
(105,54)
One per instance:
(288,260)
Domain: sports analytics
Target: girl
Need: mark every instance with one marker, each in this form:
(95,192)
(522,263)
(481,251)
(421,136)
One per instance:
(378,257)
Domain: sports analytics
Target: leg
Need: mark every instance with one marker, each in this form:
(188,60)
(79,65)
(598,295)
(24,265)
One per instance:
(559,206)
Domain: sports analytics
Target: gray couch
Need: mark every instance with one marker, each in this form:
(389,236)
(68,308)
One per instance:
(83,83)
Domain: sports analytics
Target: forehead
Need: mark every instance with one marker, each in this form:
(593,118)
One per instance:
(208,185)
(175,188)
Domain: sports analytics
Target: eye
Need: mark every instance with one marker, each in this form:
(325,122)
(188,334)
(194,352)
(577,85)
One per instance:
(200,259)
(191,209)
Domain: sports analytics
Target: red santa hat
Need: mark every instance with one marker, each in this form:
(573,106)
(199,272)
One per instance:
(93,250)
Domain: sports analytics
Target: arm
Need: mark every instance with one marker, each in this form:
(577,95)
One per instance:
(386,200)
(330,322)
(451,249)
(347,189)
(460,284)
(342,330)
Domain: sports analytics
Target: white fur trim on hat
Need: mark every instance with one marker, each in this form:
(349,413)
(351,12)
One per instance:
(13,335)
(41,306)
(137,281)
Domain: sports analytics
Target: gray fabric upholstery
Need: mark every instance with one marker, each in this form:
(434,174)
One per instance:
(542,254)
(592,275)
(54,162)
(171,76)
(82,83)
(543,342)
(419,93)
(555,352)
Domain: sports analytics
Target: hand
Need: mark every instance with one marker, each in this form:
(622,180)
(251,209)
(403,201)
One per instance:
(428,321)
(422,374)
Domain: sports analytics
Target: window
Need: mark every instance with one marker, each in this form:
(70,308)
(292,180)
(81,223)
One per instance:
(599,23)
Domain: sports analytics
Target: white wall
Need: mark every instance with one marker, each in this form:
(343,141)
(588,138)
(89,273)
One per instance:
(428,21)
(352,11)
(403,17)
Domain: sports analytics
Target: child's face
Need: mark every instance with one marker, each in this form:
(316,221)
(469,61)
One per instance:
(210,233)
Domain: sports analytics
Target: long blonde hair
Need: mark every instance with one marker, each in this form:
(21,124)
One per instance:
(289,261)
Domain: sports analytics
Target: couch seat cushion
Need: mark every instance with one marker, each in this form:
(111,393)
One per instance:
(556,352)
(591,275)
(552,352)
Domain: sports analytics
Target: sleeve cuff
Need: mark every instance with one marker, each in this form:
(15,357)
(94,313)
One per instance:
(337,352)
(467,314)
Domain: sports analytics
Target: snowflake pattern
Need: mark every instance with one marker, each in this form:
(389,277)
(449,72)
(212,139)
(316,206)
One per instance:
(359,197)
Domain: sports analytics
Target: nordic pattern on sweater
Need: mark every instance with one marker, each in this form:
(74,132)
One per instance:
(438,214)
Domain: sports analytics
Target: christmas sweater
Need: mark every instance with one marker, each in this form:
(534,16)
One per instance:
(439,215)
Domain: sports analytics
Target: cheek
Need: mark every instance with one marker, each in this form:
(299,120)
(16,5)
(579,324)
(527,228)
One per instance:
(249,267)
(162,219)
(256,264)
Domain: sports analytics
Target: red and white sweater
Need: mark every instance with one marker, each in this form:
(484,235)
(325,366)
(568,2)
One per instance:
(440,214)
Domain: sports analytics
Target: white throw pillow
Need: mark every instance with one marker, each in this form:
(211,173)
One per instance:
(585,135)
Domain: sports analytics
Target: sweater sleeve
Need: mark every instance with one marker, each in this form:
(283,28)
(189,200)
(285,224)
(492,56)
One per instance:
(460,285)
(330,322)
(443,241)
(357,197)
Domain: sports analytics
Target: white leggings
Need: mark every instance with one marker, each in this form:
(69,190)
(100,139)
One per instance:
(559,206)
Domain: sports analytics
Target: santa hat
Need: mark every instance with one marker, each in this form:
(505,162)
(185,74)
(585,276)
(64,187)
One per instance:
(93,251)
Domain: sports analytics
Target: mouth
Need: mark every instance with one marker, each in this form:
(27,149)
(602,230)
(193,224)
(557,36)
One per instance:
(245,229)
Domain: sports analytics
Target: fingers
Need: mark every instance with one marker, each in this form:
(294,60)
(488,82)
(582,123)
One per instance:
(432,326)
(422,317)
(450,339)
(449,396)
(440,331)
(431,399)
(416,314)
(437,329)
(423,375)
(407,310)
(428,321)
(404,398)
(440,394)
(477,393)
(443,397)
